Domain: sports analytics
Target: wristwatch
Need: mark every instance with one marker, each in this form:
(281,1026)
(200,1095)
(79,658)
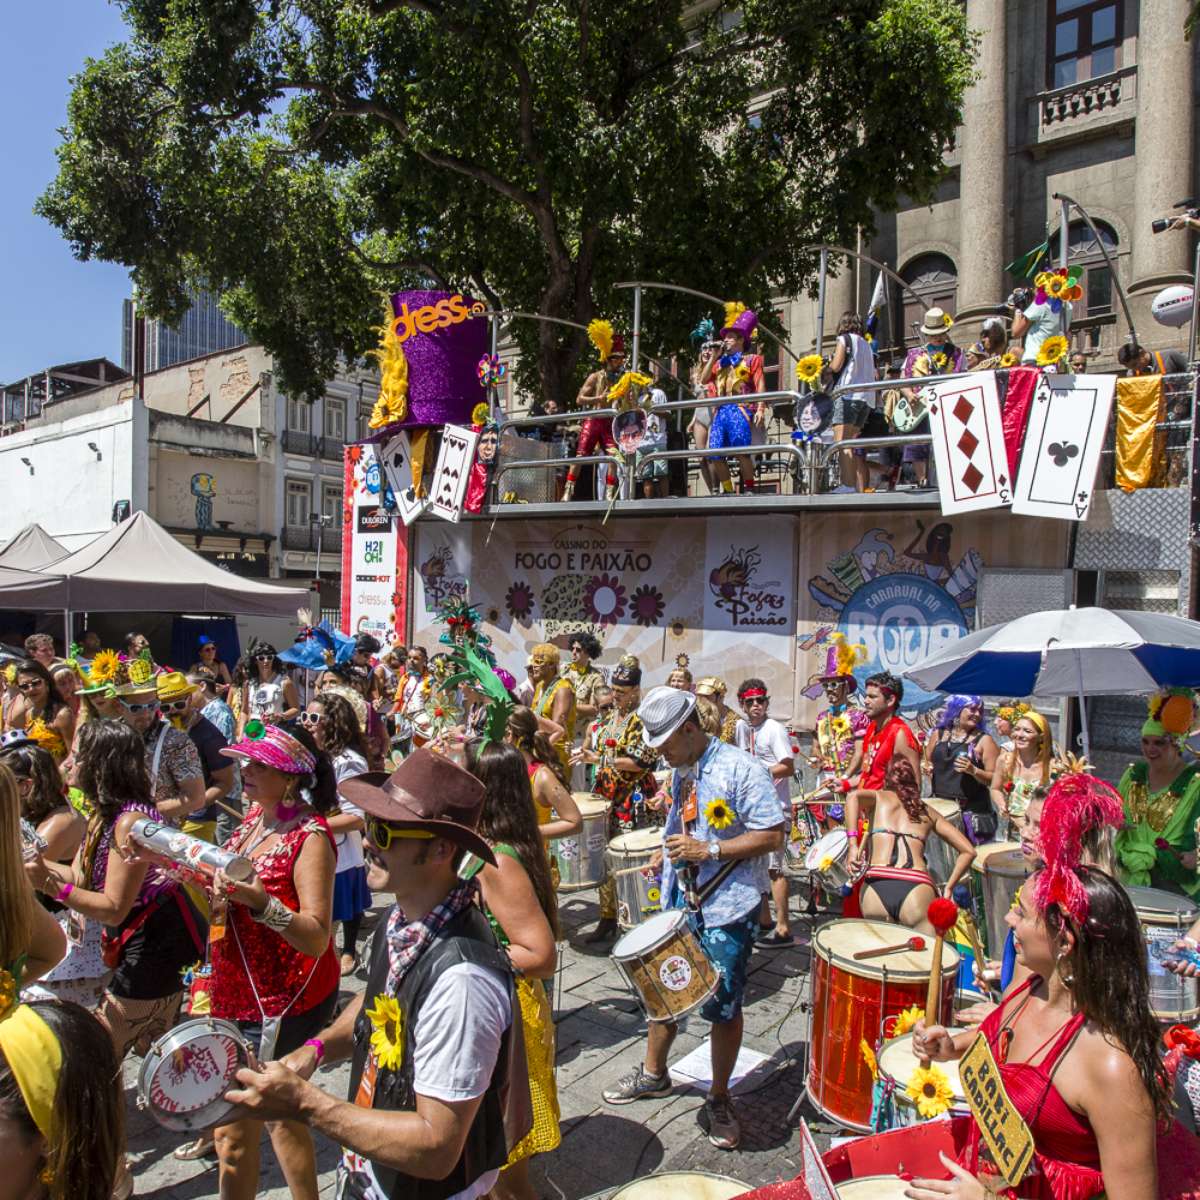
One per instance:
(714,850)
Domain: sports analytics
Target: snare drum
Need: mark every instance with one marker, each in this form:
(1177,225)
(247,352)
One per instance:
(897,1064)
(873,1187)
(581,856)
(185,1075)
(826,861)
(979,892)
(1165,918)
(939,857)
(851,1001)
(682,1185)
(638,888)
(663,961)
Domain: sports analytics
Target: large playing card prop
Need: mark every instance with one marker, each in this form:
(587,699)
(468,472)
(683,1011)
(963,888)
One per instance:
(968,443)
(1063,442)
(396,457)
(453,467)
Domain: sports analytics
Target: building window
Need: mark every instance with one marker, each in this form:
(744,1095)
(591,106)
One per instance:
(335,419)
(1084,40)
(364,423)
(331,501)
(299,416)
(299,501)
(934,278)
(1083,250)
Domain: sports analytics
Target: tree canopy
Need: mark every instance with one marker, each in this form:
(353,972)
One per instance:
(300,157)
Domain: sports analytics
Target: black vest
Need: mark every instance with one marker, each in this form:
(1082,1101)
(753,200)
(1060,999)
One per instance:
(505,1113)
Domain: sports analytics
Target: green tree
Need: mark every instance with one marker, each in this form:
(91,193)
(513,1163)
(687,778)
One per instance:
(301,156)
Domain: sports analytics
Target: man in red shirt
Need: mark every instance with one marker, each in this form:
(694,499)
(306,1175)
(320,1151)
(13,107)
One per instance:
(887,734)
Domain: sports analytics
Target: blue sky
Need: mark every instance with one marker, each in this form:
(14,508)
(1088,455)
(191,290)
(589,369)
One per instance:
(53,309)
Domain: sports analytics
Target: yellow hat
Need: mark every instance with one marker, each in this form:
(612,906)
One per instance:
(173,685)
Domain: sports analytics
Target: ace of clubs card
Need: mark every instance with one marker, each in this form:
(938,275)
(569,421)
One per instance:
(453,469)
(968,443)
(1063,443)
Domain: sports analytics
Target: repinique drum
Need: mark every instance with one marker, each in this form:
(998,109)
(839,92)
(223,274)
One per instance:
(581,856)
(873,1187)
(897,1064)
(851,1001)
(682,1185)
(939,857)
(1165,918)
(826,861)
(978,891)
(638,888)
(187,1072)
(664,963)
(1003,874)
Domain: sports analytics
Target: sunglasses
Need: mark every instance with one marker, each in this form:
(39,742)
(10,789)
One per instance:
(382,834)
(311,718)
(138,708)
(175,706)
(263,657)
(30,687)
(756,700)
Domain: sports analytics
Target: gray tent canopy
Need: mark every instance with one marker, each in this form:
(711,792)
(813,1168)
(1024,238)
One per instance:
(31,591)
(33,549)
(137,566)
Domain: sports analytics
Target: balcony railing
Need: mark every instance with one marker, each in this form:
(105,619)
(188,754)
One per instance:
(331,448)
(295,442)
(304,537)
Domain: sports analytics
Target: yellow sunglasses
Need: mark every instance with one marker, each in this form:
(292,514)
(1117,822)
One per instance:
(382,834)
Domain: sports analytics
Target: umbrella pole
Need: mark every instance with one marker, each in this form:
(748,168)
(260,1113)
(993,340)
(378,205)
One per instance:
(1083,725)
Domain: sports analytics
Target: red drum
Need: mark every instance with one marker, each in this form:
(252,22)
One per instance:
(851,1000)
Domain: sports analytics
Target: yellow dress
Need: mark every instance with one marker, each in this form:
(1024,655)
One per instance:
(543,705)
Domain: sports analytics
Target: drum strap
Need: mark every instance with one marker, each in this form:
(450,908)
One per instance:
(716,881)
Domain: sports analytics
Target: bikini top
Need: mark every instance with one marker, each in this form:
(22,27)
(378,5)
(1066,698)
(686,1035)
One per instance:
(908,854)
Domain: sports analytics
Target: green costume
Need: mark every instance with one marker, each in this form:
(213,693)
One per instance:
(1168,815)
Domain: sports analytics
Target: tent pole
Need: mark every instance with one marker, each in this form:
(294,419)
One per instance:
(66,633)
(1083,725)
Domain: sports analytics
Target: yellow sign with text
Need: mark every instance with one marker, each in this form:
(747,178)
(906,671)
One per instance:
(1007,1137)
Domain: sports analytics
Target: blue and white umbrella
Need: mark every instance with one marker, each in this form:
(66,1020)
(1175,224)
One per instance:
(1069,652)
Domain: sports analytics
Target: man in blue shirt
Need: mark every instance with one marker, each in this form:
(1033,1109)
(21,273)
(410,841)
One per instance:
(723,809)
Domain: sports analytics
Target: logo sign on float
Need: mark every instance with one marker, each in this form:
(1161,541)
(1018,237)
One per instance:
(372,518)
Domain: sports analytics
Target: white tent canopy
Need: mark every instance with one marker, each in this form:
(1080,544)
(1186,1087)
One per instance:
(137,566)
(33,549)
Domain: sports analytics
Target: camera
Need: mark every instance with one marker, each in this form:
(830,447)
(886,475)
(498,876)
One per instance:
(1162,224)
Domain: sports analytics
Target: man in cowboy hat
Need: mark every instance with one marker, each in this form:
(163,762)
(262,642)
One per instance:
(724,818)
(438,1086)
(937,355)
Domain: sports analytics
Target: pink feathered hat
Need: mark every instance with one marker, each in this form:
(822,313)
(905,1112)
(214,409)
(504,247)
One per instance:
(273,747)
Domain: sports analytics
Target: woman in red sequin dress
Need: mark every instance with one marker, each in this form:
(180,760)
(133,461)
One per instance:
(274,970)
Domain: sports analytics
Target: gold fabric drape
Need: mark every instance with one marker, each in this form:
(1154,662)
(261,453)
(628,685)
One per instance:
(1139,443)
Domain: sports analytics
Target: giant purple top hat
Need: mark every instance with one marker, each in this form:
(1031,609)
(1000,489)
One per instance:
(744,325)
(443,338)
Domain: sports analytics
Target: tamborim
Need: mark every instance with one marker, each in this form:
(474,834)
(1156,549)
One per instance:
(664,962)
(581,856)
(638,888)
(185,1075)
(851,1001)
(826,861)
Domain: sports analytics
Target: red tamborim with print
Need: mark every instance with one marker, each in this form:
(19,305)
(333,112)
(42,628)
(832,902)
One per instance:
(851,1002)
(185,1076)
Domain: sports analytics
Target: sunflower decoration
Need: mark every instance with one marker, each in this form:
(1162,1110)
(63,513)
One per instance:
(1010,359)
(481,414)
(719,813)
(825,864)
(809,368)
(930,1091)
(1052,351)
(47,737)
(906,1019)
(841,725)
(105,667)
(10,674)
(387,1032)
(8,993)
(1058,287)
(940,361)
(868,1056)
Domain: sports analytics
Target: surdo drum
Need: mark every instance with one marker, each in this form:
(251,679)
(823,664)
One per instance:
(1165,918)
(187,1072)
(664,963)
(682,1185)
(581,856)
(938,855)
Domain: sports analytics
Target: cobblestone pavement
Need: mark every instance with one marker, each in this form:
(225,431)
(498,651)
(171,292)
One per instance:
(601,1034)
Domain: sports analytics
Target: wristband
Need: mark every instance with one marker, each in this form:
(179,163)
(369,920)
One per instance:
(843,786)
(318,1046)
(64,892)
(852,835)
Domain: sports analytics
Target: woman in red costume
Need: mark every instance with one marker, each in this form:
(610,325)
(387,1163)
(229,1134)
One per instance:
(597,431)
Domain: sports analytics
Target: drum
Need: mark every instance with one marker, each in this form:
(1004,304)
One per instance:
(897,1063)
(850,1002)
(682,1185)
(978,891)
(637,886)
(826,861)
(939,857)
(1165,918)
(664,962)
(581,856)
(1003,874)
(872,1187)
(187,1072)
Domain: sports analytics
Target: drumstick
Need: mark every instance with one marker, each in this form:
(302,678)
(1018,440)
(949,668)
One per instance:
(629,870)
(913,943)
(943,916)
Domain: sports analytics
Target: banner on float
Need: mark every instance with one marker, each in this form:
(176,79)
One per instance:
(373,550)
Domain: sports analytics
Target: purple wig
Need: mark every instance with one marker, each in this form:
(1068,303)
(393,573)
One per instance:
(955,705)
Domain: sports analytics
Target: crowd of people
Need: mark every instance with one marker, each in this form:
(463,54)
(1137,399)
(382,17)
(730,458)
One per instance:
(454,809)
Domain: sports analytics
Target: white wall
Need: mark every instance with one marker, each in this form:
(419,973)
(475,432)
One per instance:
(71,489)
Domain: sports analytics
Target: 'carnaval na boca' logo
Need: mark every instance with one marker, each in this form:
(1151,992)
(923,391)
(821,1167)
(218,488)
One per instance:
(736,591)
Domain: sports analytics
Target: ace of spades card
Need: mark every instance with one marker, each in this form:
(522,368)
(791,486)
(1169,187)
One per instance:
(395,456)
(453,468)
(968,443)
(1063,441)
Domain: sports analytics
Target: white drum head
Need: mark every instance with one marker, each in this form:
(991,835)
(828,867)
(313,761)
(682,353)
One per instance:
(637,840)
(1009,863)
(841,940)
(984,852)
(873,1187)
(588,804)
(950,809)
(898,1062)
(830,845)
(648,934)
(682,1185)
(1155,907)
(196,1069)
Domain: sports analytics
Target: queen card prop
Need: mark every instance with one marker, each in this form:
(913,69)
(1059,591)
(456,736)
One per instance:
(1064,438)
(968,443)
(453,468)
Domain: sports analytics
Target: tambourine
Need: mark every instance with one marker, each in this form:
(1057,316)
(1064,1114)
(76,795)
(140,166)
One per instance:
(185,1075)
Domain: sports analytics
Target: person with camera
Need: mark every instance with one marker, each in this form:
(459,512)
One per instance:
(1033,323)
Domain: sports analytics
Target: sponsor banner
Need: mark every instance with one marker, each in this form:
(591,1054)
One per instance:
(374,552)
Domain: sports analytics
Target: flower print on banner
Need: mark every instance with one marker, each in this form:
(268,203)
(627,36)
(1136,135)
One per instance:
(647,605)
(519,601)
(604,599)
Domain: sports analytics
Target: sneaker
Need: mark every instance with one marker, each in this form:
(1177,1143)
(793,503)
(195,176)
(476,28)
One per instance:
(724,1129)
(774,940)
(637,1085)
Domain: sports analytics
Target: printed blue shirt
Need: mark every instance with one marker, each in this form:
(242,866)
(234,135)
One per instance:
(726,773)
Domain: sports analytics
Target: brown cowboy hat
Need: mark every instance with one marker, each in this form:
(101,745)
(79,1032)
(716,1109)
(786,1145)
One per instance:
(426,791)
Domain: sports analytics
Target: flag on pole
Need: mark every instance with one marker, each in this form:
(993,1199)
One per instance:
(878,301)
(1026,266)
